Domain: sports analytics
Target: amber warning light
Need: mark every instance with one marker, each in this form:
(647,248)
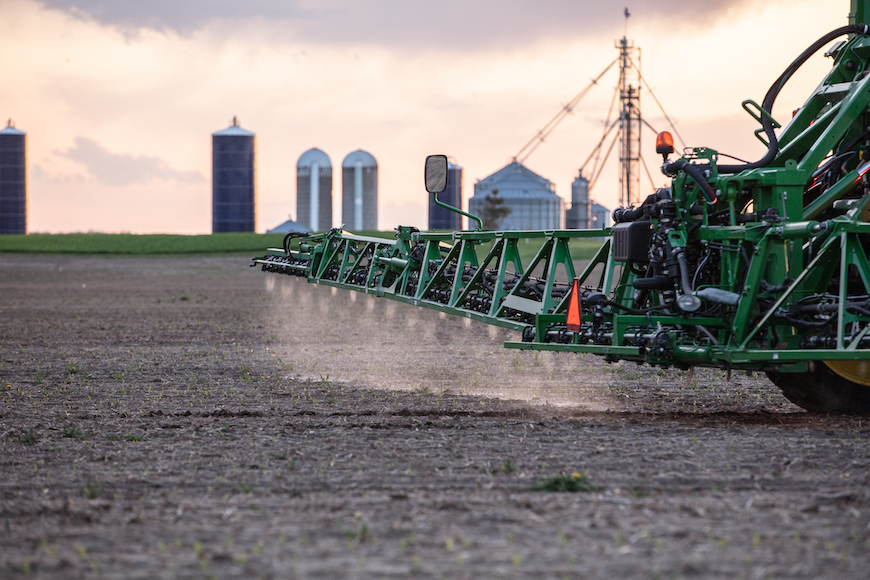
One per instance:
(664,144)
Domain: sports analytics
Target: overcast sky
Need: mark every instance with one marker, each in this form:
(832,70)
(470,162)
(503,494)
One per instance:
(119,98)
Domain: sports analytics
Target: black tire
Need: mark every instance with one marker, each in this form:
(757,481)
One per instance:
(821,390)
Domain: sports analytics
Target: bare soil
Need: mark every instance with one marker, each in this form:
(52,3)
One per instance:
(196,418)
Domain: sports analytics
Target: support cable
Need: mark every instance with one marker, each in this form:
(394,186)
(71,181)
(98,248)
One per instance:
(541,135)
(608,127)
(603,163)
(596,151)
(648,174)
(650,127)
(661,108)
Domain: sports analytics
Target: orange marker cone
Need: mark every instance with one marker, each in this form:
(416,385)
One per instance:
(574,316)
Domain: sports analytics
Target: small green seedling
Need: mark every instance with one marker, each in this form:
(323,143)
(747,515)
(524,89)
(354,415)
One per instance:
(574,482)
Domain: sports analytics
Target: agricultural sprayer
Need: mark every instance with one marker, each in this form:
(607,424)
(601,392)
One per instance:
(758,266)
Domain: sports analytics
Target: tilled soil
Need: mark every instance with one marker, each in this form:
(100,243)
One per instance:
(194,418)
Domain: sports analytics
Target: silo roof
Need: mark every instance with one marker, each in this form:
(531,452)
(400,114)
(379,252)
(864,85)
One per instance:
(517,180)
(359,156)
(233,131)
(287,227)
(10,130)
(312,156)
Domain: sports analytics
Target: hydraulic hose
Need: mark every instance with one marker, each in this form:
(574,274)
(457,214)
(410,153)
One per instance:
(289,237)
(684,272)
(773,92)
(624,214)
(695,173)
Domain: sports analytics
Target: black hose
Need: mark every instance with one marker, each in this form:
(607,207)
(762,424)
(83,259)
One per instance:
(629,309)
(684,272)
(773,92)
(624,214)
(290,236)
(857,308)
(809,323)
(695,173)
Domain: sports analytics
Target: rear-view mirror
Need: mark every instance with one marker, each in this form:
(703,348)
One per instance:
(436,173)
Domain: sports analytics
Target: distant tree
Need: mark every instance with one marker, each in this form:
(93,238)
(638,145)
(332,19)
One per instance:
(493,210)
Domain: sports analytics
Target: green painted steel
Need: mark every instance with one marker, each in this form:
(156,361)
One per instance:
(757,267)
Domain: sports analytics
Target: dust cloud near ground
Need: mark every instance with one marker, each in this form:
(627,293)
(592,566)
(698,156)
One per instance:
(194,418)
(353,337)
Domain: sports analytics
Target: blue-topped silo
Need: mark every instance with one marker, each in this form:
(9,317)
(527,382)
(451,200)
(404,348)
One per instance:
(359,191)
(441,218)
(13,180)
(314,190)
(234,180)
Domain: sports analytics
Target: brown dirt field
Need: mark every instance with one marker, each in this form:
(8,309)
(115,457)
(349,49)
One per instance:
(196,418)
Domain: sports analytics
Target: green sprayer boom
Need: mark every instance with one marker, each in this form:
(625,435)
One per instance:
(758,266)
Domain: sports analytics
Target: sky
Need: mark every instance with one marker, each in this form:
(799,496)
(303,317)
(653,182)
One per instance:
(119,98)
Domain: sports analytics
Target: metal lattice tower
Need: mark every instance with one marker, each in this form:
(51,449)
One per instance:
(629,122)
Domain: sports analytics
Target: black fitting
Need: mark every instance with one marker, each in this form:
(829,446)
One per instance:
(693,171)
(625,214)
(657,282)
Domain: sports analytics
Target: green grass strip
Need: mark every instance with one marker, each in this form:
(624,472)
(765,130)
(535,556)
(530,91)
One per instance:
(214,244)
(139,245)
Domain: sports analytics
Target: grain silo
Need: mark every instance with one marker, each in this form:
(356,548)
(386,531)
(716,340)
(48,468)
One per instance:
(531,198)
(359,191)
(441,218)
(600,217)
(234,180)
(13,180)
(578,217)
(314,190)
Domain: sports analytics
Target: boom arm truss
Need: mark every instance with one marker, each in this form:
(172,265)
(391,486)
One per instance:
(757,267)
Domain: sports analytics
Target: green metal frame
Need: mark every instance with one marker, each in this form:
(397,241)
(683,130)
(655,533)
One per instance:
(792,252)
(421,268)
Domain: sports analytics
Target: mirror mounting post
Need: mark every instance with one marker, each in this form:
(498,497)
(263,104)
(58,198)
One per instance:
(435,175)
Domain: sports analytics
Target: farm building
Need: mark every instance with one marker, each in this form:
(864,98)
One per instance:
(532,199)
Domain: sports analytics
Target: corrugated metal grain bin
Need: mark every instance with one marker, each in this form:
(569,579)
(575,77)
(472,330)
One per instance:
(579,217)
(359,191)
(439,217)
(314,190)
(531,198)
(13,180)
(234,180)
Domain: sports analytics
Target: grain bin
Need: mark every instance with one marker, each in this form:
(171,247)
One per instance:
(359,191)
(579,216)
(314,190)
(442,218)
(531,198)
(234,180)
(13,180)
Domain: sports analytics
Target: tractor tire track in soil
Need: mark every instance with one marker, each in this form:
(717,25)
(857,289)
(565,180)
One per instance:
(194,418)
